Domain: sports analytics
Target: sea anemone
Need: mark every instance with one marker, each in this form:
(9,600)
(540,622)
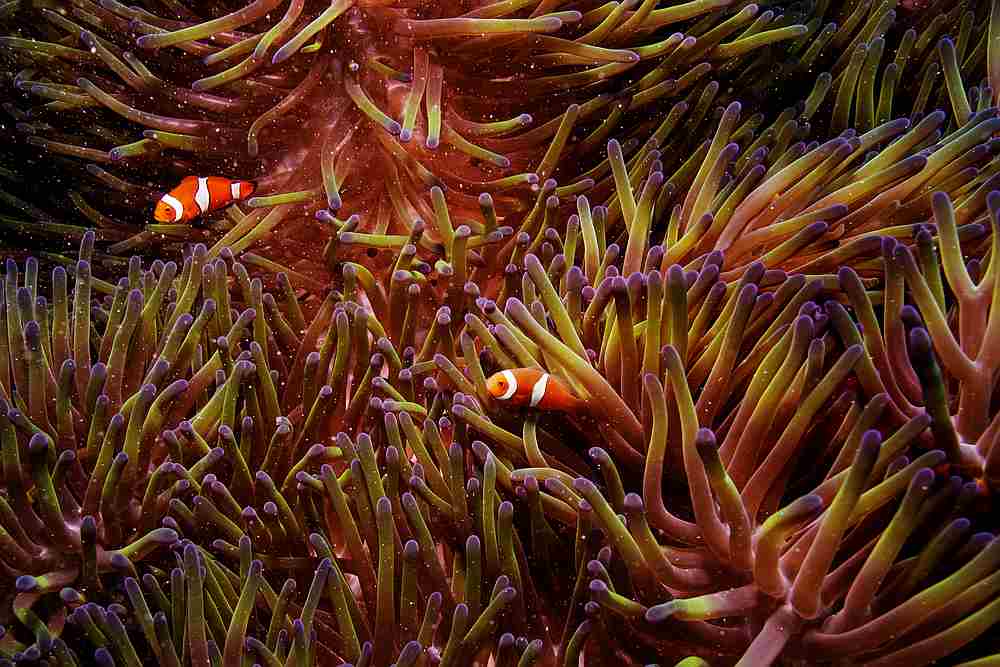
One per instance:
(364,107)
(161,474)
(272,440)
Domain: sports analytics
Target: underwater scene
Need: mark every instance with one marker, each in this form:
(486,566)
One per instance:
(499,333)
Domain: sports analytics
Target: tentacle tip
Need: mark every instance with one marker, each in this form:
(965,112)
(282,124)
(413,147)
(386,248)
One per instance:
(26,583)
(660,613)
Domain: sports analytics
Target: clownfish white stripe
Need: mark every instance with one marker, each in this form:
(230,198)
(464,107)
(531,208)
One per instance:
(511,386)
(175,204)
(538,391)
(234,189)
(202,197)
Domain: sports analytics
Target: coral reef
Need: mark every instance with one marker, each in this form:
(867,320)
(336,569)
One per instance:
(756,239)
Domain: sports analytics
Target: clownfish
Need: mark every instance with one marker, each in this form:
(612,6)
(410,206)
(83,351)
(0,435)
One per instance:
(197,195)
(533,388)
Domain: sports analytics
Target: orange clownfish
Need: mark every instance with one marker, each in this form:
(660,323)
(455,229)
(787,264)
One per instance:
(197,195)
(533,388)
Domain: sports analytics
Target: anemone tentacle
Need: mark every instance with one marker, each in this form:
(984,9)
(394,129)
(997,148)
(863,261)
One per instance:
(756,241)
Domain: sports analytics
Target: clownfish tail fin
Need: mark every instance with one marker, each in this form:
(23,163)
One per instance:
(246,189)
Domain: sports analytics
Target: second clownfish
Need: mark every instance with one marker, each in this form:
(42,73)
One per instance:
(197,195)
(533,388)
